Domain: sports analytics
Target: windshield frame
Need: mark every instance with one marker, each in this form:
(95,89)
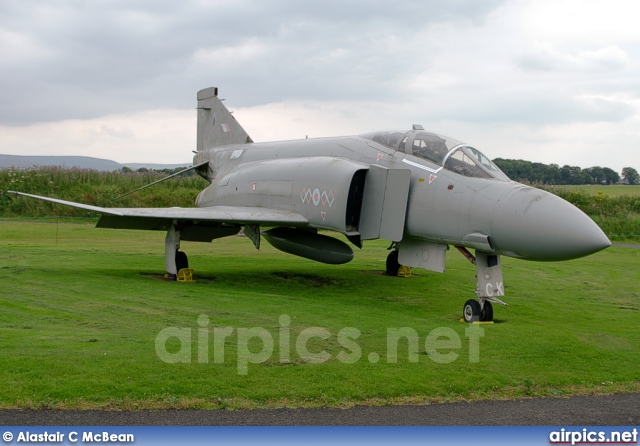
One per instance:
(403,141)
(492,172)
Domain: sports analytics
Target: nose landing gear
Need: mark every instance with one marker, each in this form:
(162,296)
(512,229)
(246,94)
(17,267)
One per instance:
(489,286)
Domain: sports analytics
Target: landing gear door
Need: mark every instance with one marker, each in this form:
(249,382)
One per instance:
(384,203)
(489,275)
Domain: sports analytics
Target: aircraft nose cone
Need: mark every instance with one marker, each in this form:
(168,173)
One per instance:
(537,225)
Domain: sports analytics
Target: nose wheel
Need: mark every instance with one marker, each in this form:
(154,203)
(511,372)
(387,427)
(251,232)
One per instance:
(471,311)
(486,314)
(476,311)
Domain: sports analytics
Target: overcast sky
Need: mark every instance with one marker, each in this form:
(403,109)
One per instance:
(553,81)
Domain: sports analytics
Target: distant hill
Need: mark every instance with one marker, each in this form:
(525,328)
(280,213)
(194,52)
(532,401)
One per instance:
(83,162)
(136,166)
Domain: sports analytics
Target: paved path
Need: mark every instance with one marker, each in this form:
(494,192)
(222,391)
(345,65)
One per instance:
(627,245)
(579,410)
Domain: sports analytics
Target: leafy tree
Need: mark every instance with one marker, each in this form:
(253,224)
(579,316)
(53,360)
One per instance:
(630,175)
(596,173)
(610,175)
(551,174)
(571,175)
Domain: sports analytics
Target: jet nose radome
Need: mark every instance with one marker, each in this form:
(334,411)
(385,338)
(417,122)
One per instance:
(536,225)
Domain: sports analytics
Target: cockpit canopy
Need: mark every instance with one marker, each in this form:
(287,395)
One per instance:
(441,151)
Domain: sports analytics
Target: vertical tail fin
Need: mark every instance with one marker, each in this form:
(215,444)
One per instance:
(216,126)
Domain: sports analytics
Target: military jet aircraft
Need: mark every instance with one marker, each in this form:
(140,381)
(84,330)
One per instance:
(422,191)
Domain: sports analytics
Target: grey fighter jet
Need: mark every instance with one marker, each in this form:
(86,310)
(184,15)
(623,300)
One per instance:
(421,191)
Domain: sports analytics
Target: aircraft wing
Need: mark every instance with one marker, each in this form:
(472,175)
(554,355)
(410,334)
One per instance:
(160,218)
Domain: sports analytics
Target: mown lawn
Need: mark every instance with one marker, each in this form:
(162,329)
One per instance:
(81,310)
(612,190)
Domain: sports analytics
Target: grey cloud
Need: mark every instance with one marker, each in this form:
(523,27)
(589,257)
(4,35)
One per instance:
(124,133)
(87,59)
(543,110)
(611,58)
(538,105)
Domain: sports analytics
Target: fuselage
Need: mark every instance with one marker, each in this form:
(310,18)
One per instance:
(447,203)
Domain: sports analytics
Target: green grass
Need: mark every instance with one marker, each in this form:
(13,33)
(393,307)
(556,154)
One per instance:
(91,187)
(616,209)
(80,311)
(613,190)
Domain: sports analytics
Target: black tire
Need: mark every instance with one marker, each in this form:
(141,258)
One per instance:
(471,311)
(182,261)
(486,315)
(393,266)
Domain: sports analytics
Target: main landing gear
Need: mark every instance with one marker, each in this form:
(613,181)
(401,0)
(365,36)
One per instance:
(182,262)
(174,259)
(394,268)
(393,265)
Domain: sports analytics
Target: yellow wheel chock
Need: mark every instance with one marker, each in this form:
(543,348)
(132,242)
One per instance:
(185,275)
(404,271)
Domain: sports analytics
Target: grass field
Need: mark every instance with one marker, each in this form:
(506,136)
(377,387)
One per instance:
(82,308)
(614,190)
(616,209)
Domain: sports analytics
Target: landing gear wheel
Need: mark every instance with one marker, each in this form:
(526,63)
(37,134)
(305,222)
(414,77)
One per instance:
(486,315)
(471,311)
(393,266)
(182,261)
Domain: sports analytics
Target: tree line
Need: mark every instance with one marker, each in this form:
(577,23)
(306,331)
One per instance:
(552,174)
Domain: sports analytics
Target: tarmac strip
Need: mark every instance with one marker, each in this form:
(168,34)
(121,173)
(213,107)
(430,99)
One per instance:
(612,410)
(626,245)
